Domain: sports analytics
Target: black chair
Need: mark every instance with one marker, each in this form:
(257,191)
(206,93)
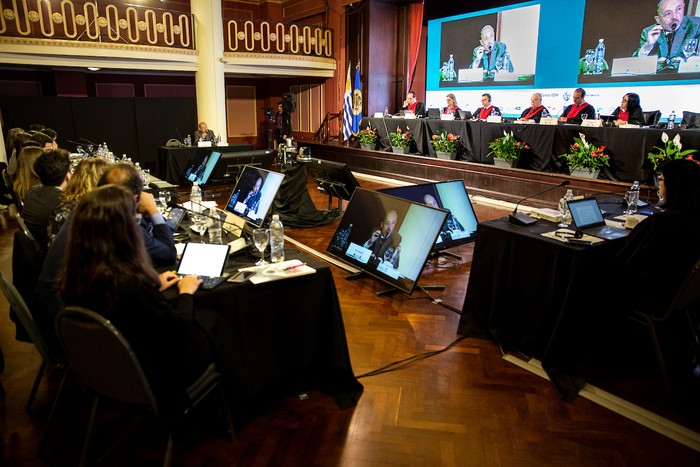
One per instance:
(49,358)
(7,187)
(691,119)
(686,300)
(652,117)
(27,260)
(106,366)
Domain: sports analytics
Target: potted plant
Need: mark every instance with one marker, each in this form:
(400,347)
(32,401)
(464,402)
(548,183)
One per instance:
(400,140)
(506,151)
(585,159)
(445,145)
(672,149)
(368,138)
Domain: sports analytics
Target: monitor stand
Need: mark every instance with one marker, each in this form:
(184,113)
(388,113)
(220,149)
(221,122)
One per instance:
(435,254)
(358,275)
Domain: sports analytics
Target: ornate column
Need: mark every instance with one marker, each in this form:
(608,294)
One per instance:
(211,91)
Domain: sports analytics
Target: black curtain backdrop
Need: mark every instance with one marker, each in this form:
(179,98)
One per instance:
(132,126)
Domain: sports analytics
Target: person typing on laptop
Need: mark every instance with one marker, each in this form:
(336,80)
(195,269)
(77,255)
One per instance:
(113,275)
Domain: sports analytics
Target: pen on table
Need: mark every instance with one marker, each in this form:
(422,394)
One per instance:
(294,267)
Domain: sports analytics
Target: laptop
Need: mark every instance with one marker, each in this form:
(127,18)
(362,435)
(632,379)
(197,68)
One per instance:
(206,260)
(433,113)
(634,66)
(588,218)
(464,114)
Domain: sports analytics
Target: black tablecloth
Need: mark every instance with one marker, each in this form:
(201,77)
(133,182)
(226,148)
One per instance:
(281,337)
(173,162)
(533,294)
(628,147)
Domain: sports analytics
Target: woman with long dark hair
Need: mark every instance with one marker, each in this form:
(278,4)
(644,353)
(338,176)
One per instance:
(108,270)
(629,111)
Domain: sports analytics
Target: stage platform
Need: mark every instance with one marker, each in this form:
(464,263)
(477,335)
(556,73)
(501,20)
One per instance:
(486,180)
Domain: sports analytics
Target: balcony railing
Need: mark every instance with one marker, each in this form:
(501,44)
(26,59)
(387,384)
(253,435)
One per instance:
(93,21)
(263,36)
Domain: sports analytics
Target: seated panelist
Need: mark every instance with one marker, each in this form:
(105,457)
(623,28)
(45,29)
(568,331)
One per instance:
(536,110)
(629,111)
(452,106)
(486,109)
(411,104)
(203,133)
(574,113)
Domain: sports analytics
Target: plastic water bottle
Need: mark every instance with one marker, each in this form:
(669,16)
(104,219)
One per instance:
(599,58)
(568,196)
(451,68)
(214,226)
(276,239)
(196,198)
(386,111)
(671,119)
(632,198)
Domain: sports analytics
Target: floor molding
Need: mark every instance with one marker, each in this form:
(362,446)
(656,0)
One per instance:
(622,407)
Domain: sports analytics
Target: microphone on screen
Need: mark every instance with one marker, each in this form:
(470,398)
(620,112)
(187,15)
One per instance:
(520,218)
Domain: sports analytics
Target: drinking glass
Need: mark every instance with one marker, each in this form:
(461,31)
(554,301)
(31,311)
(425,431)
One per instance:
(200,223)
(162,200)
(260,238)
(690,48)
(588,60)
(584,116)
(565,213)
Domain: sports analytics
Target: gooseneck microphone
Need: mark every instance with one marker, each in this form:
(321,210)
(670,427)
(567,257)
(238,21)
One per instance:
(175,204)
(520,218)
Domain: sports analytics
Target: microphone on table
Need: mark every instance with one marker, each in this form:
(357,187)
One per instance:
(520,218)
(174,204)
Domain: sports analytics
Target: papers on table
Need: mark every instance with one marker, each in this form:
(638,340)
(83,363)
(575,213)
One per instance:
(277,271)
(568,233)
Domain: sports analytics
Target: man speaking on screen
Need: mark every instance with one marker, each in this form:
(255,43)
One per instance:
(491,55)
(674,36)
(384,242)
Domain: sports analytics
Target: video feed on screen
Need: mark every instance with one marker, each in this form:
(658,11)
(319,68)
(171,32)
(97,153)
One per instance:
(387,237)
(202,165)
(491,48)
(460,225)
(657,41)
(254,193)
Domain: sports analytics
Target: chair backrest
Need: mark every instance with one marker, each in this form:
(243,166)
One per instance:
(173,143)
(101,357)
(688,294)
(25,317)
(23,226)
(7,183)
(652,117)
(691,119)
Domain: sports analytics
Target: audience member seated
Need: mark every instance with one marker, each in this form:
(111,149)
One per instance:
(26,177)
(452,106)
(19,141)
(84,179)
(629,111)
(536,110)
(53,169)
(45,141)
(487,109)
(574,113)
(158,238)
(113,275)
(653,256)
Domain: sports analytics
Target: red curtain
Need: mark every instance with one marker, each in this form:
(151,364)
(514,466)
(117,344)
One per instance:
(415,26)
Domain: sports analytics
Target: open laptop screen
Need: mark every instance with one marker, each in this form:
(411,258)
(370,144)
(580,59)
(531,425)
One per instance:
(586,213)
(203,259)
(254,193)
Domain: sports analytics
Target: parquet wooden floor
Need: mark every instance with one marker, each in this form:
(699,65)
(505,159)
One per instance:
(463,407)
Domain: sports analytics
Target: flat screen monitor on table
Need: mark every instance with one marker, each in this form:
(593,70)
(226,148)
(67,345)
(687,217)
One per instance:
(387,237)
(333,178)
(253,194)
(202,166)
(460,225)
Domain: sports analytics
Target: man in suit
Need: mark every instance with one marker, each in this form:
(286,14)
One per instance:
(672,30)
(412,104)
(486,109)
(203,134)
(491,55)
(573,113)
(384,242)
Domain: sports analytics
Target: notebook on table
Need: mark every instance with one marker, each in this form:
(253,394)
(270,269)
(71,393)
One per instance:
(206,260)
(588,218)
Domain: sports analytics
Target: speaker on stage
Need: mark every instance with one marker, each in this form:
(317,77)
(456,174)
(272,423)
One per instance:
(288,103)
